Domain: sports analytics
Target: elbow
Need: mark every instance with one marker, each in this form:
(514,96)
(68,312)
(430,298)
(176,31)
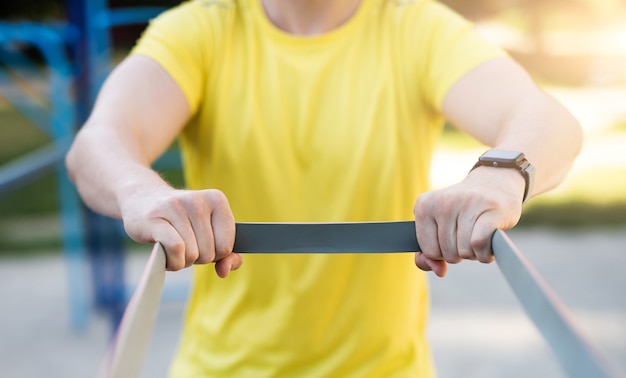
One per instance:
(70,164)
(72,159)
(564,129)
(575,134)
(579,136)
(569,144)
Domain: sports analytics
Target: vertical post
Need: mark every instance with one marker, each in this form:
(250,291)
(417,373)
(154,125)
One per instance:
(105,239)
(63,120)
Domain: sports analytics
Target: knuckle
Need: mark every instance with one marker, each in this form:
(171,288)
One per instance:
(421,204)
(479,244)
(191,204)
(452,259)
(467,254)
(447,202)
(152,213)
(216,197)
(174,263)
(177,247)
(191,255)
(222,250)
(203,259)
(420,262)
(206,256)
(175,252)
(174,267)
(432,252)
(172,202)
(135,230)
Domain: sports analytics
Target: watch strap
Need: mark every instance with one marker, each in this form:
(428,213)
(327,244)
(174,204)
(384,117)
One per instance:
(524,167)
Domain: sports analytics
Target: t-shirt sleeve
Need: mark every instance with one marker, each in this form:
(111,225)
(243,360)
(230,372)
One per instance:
(448,48)
(179,40)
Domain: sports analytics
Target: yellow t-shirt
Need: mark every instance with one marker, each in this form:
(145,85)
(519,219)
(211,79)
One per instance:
(336,127)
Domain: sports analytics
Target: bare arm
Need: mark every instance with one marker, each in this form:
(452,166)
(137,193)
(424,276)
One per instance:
(498,104)
(139,112)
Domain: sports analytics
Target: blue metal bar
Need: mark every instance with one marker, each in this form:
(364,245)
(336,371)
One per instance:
(23,69)
(87,36)
(126,16)
(21,171)
(94,55)
(62,121)
(52,48)
(97,24)
(104,236)
(74,251)
(98,47)
(23,103)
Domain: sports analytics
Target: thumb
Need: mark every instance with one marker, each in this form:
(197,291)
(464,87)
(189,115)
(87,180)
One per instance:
(439,267)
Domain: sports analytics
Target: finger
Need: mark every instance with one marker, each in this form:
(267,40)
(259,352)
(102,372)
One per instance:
(164,233)
(482,233)
(446,232)
(229,263)
(200,218)
(183,226)
(206,241)
(426,231)
(465,226)
(223,223)
(439,267)
(176,211)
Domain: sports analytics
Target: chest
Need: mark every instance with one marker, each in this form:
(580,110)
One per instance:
(308,100)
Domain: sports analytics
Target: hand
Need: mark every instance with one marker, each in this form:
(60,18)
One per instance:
(194,227)
(458,222)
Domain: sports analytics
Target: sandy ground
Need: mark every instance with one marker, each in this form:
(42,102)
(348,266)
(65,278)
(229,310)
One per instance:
(477,328)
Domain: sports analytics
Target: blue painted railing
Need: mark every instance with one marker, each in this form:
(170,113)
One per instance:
(56,116)
(58,108)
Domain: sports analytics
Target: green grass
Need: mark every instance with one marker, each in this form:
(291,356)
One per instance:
(36,198)
(18,137)
(576,214)
(601,186)
(29,247)
(17,134)
(595,199)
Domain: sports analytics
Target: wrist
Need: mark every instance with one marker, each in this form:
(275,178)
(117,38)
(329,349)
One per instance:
(507,180)
(145,184)
(509,161)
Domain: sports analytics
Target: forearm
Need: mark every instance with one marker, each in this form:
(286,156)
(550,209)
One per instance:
(549,136)
(499,105)
(458,222)
(106,171)
(129,127)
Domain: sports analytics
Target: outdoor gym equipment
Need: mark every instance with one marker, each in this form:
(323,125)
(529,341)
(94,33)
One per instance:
(577,356)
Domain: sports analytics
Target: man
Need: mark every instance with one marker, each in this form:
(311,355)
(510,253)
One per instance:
(313,111)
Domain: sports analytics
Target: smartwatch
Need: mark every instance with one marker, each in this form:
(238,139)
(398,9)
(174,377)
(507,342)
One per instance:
(509,159)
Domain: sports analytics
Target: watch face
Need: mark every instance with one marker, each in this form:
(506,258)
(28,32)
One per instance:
(502,156)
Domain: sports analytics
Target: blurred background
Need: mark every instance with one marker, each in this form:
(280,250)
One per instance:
(65,273)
